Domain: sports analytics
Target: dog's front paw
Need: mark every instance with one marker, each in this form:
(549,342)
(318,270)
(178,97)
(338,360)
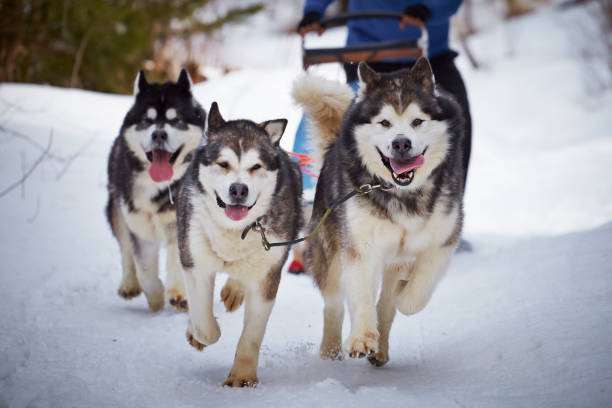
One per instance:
(241,381)
(378,359)
(410,305)
(129,290)
(232,295)
(194,343)
(331,351)
(200,337)
(155,300)
(362,345)
(177,299)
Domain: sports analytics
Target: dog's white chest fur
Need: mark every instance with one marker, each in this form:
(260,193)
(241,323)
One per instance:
(147,222)
(401,237)
(225,243)
(243,259)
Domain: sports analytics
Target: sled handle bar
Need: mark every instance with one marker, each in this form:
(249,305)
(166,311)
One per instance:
(343,18)
(364,52)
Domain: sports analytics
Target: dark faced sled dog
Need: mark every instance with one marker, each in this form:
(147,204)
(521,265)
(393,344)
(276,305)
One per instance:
(241,175)
(403,137)
(152,152)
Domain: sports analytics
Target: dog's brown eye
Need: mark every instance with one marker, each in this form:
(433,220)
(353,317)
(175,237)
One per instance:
(255,167)
(385,123)
(417,122)
(223,165)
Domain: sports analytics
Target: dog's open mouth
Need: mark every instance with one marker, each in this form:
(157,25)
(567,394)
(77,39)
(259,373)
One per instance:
(234,212)
(402,170)
(161,164)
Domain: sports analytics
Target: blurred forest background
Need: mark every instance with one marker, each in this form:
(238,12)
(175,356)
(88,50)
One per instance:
(100,44)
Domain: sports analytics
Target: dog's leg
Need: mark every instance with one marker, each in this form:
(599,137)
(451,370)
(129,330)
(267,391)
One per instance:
(414,293)
(175,292)
(199,265)
(129,287)
(202,329)
(333,313)
(146,254)
(386,312)
(259,300)
(232,294)
(361,277)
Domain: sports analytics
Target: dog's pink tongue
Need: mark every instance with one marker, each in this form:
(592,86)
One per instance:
(160,169)
(402,166)
(236,212)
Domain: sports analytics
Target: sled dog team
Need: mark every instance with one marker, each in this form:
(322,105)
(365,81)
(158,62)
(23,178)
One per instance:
(193,182)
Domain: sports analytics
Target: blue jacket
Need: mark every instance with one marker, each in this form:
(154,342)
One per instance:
(377,30)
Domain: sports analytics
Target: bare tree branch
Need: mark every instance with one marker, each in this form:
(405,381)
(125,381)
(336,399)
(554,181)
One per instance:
(16,105)
(81,149)
(78,59)
(32,142)
(36,212)
(29,172)
(23,171)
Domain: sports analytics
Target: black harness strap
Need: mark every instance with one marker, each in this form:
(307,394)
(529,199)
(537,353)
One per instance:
(258,227)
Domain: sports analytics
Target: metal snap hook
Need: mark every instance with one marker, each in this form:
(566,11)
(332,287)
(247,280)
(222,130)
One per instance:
(365,189)
(265,244)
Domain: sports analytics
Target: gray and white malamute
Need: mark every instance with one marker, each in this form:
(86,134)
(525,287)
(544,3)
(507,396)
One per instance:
(146,163)
(241,175)
(404,135)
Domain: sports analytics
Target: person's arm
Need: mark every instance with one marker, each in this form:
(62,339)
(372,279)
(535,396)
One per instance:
(429,11)
(317,6)
(313,11)
(441,9)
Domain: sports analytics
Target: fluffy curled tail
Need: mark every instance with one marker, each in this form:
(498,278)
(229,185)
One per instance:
(324,103)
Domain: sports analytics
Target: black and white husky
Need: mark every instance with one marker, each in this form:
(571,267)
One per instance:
(241,175)
(147,161)
(403,134)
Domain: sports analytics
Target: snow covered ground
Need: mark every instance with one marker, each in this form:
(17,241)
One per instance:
(523,320)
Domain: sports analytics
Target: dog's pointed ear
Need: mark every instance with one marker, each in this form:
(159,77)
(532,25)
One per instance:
(366,74)
(423,75)
(184,80)
(275,129)
(140,83)
(215,120)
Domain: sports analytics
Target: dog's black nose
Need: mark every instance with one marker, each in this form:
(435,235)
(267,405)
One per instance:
(239,192)
(401,145)
(159,136)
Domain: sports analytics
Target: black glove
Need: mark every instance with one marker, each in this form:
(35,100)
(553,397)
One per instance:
(419,12)
(310,18)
